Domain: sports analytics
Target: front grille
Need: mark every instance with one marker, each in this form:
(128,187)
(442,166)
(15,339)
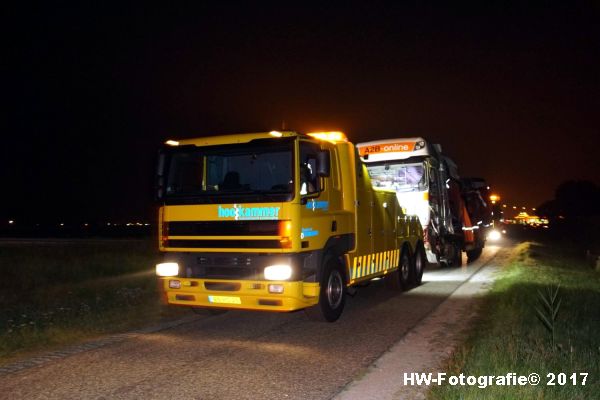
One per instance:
(225,244)
(223,267)
(238,265)
(224,228)
(222,286)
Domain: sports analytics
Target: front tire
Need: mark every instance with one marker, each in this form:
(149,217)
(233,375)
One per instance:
(331,294)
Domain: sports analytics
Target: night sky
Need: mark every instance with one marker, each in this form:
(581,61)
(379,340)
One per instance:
(90,93)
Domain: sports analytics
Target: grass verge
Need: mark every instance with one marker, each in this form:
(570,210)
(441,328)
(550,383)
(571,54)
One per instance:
(510,336)
(55,293)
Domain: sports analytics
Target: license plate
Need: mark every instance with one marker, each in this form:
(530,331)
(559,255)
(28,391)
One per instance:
(225,299)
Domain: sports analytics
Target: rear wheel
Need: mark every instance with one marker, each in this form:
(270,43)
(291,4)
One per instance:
(419,263)
(331,294)
(401,278)
(474,254)
(406,270)
(456,256)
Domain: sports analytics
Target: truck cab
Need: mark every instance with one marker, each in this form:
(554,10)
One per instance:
(275,221)
(427,184)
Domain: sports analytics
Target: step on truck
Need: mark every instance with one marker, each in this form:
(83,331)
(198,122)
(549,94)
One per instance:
(277,221)
(427,184)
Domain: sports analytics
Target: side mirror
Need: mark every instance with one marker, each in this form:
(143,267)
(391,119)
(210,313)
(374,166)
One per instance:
(323,163)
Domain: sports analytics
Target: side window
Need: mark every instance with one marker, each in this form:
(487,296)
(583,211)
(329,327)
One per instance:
(185,173)
(309,180)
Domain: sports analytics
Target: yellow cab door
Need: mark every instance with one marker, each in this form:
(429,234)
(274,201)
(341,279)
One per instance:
(315,198)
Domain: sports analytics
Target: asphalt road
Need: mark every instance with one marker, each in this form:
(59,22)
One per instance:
(245,355)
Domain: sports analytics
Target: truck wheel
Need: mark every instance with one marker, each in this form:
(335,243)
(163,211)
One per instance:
(456,260)
(419,263)
(406,270)
(331,294)
(474,254)
(401,278)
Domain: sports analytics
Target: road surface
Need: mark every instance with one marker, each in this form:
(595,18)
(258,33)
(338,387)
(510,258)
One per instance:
(245,355)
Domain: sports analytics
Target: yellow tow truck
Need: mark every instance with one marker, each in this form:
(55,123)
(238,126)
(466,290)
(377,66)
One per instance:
(277,221)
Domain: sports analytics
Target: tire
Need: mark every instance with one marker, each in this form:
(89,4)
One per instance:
(474,254)
(405,270)
(401,278)
(331,294)
(419,264)
(457,256)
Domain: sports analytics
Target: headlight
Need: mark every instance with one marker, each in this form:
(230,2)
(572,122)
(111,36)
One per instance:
(167,269)
(278,272)
(494,235)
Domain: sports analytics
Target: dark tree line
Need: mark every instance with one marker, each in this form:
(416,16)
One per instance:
(573,199)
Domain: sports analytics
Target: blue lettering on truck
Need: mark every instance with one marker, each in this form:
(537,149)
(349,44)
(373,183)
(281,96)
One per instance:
(240,212)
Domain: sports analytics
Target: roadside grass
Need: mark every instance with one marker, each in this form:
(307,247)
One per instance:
(510,337)
(60,292)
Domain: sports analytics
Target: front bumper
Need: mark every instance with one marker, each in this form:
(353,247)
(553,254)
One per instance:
(240,294)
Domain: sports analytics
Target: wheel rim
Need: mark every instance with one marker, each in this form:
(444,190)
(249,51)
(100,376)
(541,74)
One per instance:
(335,289)
(405,268)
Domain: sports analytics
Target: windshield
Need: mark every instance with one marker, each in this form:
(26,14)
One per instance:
(399,177)
(261,167)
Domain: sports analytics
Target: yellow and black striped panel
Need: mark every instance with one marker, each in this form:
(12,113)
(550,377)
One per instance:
(375,263)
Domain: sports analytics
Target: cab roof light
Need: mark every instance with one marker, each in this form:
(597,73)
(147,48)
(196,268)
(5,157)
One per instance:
(332,137)
(276,134)
(172,142)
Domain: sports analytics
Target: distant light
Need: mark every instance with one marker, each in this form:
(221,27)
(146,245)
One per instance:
(86,224)
(62,224)
(276,133)
(514,207)
(524,208)
(11,222)
(494,235)
(146,224)
(504,205)
(108,224)
(172,142)
(533,209)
